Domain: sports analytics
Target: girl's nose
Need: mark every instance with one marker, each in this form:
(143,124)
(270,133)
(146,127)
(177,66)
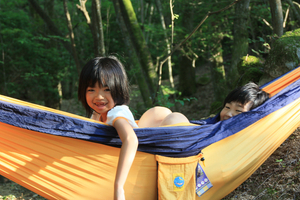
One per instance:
(229,114)
(100,96)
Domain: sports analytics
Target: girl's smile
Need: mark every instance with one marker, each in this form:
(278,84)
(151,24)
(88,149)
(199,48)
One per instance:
(100,100)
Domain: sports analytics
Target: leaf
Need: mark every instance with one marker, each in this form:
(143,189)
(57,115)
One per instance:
(261,39)
(255,51)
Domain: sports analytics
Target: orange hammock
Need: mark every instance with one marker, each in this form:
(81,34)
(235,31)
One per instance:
(58,167)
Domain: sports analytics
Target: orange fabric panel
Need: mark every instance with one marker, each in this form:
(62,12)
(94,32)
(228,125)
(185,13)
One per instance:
(65,168)
(282,82)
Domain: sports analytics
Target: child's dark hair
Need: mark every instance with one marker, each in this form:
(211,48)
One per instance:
(106,71)
(247,93)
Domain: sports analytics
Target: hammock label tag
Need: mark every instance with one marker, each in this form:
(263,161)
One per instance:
(203,184)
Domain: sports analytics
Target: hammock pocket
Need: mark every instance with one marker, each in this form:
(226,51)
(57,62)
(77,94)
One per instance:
(176,177)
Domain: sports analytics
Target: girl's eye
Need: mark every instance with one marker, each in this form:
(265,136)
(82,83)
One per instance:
(107,89)
(239,111)
(89,89)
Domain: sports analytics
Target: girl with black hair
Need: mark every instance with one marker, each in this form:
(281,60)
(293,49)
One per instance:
(104,92)
(243,99)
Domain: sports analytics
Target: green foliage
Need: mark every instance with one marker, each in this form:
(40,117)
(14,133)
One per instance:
(182,101)
(169,97)
(250,68)
(283,54)
(33,63)
(8,197)
(271,190)
(204,80)
(281,162)
(163,97)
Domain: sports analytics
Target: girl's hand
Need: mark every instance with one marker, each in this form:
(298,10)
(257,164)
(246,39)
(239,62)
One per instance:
(119,194)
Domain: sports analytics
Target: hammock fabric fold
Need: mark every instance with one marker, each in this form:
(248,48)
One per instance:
(63,156)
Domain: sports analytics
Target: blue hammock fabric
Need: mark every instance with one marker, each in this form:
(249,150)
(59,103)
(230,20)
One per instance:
(174,141)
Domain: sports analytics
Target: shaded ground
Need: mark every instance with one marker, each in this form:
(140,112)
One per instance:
(279,176)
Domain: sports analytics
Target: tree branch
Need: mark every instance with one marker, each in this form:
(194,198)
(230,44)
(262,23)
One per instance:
(50,24)
(267,23)
(85,12)
(286,16)
(181,43)
(72,36)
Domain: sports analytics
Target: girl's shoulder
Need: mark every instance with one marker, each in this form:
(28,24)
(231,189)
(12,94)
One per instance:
(119,108)
(120,111)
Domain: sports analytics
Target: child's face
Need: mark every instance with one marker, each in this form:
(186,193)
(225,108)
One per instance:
(234,108)
(99,99)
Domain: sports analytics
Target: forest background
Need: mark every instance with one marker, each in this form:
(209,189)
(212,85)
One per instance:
(45,43)
(185,55)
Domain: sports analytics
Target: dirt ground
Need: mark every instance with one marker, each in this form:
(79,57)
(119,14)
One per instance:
(278,178)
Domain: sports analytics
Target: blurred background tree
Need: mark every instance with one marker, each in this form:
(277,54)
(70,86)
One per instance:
(45,43)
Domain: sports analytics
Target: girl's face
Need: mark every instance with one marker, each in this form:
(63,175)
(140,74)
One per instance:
(99,99)
(234,108)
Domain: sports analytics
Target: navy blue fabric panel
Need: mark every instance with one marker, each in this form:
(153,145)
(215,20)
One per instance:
(211,120)
(52,123)
(179,141)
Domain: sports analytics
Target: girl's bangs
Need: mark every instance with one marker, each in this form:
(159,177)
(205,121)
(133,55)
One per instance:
(237,96)
(97,76)
(93,79)
(106,78)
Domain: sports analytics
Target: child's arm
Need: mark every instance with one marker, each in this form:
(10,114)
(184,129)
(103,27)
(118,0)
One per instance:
(126,157)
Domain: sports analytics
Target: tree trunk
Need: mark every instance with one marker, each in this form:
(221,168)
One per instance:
(240,41)
(95,25)
(135,63)
(71,35)
(162,19)
(138,41)
(53,90)
(50,24)
(277,17)
(3,90)
(187,77)
(142,17)
(147,35)
(218,76)
(99,47)
(53,95)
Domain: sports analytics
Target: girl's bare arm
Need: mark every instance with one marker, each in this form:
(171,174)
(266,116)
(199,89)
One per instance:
(126,157)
